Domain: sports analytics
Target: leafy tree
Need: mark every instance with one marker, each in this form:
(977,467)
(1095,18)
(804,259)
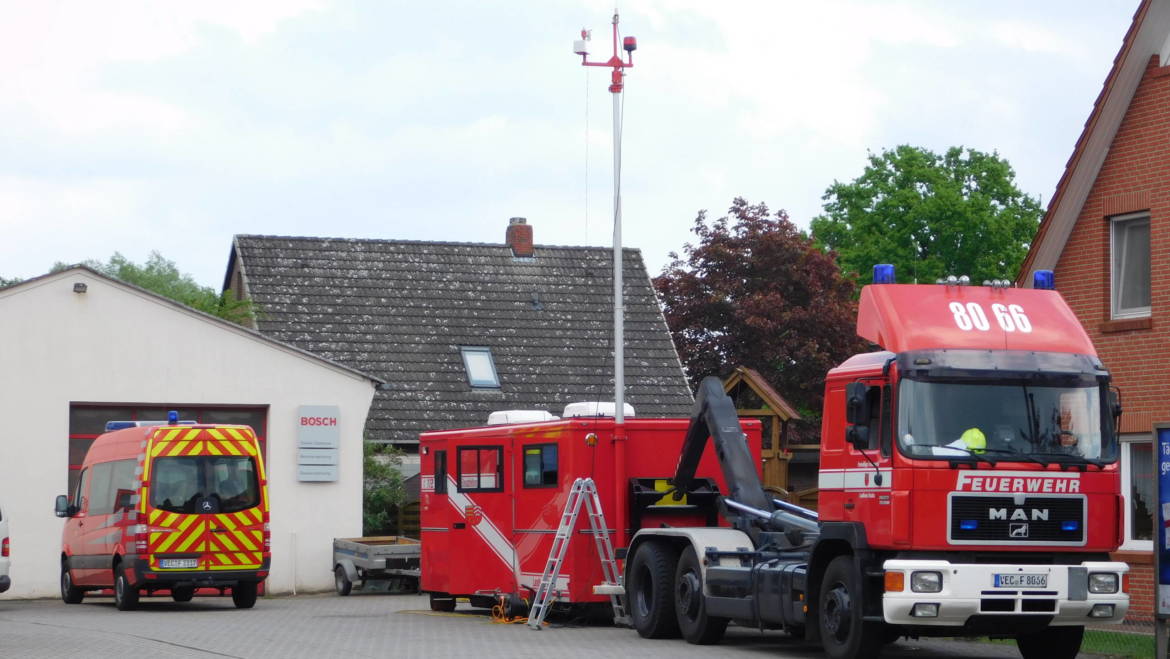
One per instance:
(931,216)
(383,489)
(4,283)
(160,276)
(755,291)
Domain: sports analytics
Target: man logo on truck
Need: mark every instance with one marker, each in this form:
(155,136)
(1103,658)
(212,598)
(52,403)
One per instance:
(1038,514)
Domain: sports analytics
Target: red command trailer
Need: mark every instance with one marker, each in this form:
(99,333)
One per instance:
(492,498)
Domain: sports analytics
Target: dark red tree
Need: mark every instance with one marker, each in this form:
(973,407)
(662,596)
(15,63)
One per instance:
(755,291)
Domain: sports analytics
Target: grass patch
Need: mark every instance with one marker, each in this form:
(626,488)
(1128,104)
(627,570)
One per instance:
(1115,644)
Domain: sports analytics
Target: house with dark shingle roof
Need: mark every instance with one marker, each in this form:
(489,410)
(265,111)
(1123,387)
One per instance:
(459,330)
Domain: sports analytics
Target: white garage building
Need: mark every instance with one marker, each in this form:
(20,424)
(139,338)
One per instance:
(78,348)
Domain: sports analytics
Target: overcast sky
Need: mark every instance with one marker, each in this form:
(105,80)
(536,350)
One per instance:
(172,126)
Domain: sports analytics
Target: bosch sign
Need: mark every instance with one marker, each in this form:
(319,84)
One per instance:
(318,420)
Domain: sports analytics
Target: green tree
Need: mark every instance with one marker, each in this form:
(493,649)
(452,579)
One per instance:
(757,292)
(931,216)
(161,276)
(383,491)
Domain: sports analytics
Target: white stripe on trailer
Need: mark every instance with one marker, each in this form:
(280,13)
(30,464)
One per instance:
(854,479)
(485,529)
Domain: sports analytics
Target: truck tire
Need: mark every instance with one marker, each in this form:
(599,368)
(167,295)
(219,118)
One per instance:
(650,591)
(125,595)
(70,594)
(244,594)
(442,602)
(844,634)
(690,605)
(1053,642)
(341,581)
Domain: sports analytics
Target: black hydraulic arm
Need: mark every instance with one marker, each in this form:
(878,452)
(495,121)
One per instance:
(714,416)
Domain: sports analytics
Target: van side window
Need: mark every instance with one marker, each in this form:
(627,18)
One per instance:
(107,481)
(79,493)
(481,469)
(540,465)
(440,472)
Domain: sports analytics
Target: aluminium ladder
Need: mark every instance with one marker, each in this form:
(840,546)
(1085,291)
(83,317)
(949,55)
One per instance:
(585,490)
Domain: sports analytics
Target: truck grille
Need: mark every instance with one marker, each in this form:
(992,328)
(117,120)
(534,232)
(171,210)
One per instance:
(982,519)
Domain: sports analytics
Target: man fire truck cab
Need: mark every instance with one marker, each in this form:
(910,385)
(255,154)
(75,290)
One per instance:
(968,486)
(167,506)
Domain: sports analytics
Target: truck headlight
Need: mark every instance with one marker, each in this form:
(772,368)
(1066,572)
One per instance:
(926,582)
(1103,583)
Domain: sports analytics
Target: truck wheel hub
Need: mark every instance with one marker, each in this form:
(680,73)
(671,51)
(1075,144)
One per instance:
(837,613)
(689,592)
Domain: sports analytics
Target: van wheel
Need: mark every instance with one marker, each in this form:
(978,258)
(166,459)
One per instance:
(689,605)
(341,581)
(244,594)
(650,591)
(182,594)
(125,595)
(442,602)
(70,594)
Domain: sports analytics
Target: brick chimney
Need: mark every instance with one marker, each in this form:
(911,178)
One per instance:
(519,237)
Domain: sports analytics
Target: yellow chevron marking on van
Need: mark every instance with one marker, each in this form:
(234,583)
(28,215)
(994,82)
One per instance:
(215,433)
(196,534)
(181,531)
(213,448)
(193,434)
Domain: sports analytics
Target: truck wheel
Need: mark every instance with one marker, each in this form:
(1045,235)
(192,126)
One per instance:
(650,592)
(182,593)
(690,606)
(125,595)
(1053,643)
(244,594)
(843,633)
(341,581)
(70,594)
(442,602)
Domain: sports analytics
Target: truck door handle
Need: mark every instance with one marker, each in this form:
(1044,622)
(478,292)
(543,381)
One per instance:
(849,506)
(459,525)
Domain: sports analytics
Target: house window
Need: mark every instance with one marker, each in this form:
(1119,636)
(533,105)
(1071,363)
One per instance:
(1137,484)
(481,370)
(481,469)
(540,465)
(1130,246)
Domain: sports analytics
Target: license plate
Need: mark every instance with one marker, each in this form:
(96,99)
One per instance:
(179,563)
(1021,581)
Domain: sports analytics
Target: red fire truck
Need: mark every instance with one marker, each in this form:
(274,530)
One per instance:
(491,500)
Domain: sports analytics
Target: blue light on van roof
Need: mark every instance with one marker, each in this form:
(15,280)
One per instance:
(111,426)
(1070,525)
(968,524)
(173,417)
(883,273)
(1043,280)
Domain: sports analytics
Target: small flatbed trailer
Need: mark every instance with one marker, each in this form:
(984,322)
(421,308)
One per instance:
(394,558)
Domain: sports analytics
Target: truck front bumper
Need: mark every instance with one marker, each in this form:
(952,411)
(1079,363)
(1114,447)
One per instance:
(967,591)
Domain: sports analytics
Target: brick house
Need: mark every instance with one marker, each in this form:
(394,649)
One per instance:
(459,330)
(1106,234)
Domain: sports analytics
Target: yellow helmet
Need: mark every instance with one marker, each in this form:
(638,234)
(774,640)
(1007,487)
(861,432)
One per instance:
(974,440)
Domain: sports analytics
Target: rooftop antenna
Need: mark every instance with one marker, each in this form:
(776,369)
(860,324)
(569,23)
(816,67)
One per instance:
(629,44)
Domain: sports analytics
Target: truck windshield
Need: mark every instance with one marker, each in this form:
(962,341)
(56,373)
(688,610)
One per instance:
(1003,421)
(227,483)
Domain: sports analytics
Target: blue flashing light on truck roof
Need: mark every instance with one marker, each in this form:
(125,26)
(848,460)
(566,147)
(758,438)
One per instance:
(1043,280)
(883,273)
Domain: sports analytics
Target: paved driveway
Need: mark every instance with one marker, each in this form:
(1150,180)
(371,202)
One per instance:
(362,625)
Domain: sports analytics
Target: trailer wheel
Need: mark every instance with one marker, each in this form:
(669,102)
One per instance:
(341,581)
(844,634)
(690,606)
(125,595)
(650,592)
(1052,642)
(70,594)
(442,602)
(244,594)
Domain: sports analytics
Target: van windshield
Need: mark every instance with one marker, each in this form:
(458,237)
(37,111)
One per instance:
(204,484)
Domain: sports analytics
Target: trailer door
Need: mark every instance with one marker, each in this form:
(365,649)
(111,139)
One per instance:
(482,521)
(435,518)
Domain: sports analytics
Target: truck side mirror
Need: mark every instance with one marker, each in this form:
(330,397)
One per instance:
(857,403)
(858,437)
(1115,403)
(62,507)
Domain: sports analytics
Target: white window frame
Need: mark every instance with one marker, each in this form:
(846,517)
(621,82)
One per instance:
(1115,277)
(469,354)
(1129,544)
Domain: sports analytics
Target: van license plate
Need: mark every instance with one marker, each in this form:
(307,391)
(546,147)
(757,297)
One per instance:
(184,563)
(1021,581)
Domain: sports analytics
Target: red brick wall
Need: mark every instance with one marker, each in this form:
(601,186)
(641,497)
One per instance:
(1134,177)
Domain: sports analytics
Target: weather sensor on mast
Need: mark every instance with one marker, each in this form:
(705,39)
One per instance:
(629,44)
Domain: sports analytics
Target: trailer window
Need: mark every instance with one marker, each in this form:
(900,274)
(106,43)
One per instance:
(440,472)
(540,465)
(481,469)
